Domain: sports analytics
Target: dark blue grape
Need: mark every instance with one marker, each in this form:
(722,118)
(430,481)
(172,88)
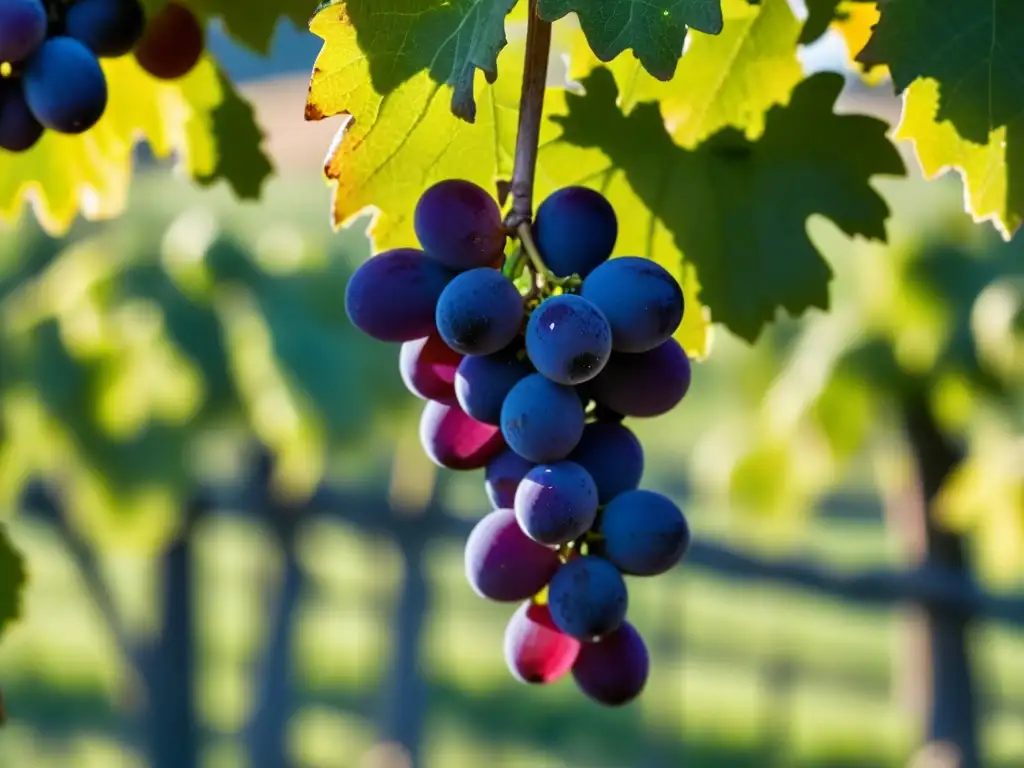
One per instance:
(109,28)
(482,383)
(19,129)
(393,296)
(588,598)
(646,384)
(642,301)
(65,86)
(644,533)
(556,503)
(453,440)
(542,421)
(536,651)
(428,367)
(502,478)
(575,229)
(502,563)
(568,339)
(23,26)
(613,456)
(459,224)
(480,312)
(613,671)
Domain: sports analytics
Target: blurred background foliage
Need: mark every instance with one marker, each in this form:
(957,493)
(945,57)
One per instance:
(140,361)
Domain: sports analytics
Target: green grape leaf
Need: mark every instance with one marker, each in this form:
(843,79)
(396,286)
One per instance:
(975,51)
(12,581)
(992,171)
(721,201)
(730,79)
(653,29)
(394,145)
(391,44)
(199,116)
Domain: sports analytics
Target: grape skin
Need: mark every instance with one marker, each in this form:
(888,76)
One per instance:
(641,300)
(19,129)
(613,456)
(644,533)
(645,384)
(459,224)
(613,671)
(482,383)
(109,28)
(502,563)
(536,651)
(23,26)
(428,367)
(588,598)
(64,86)
(568,339)
(172,44)
(556,503)
(453,440)
(504,473)
(393,296)
(542,421)
(575,229)
(480,312)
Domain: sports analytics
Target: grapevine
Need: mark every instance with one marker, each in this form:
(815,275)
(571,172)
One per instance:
(550,212)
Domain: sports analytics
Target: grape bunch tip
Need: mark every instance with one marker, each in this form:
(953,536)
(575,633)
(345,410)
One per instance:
(529,363)
(51,78)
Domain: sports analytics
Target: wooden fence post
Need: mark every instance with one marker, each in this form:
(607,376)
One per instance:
(941,633)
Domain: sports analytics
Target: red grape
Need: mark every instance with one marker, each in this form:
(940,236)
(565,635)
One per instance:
(536,651)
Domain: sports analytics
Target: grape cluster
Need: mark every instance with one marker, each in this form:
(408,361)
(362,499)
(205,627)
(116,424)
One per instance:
(50,74)
(529,365)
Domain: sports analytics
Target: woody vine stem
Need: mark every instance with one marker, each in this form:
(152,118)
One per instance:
(531,110)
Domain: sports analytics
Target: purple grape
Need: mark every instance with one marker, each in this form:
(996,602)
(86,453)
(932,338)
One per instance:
(459,225)
(542,421)
(556,503)
(19,129)
(454,440)
(645,384)
(109,28)
(568,339)
(575,229)
(480,312)
(65,86)
(536,651)
(393,296)
(613,671)
(644,533)
(613,456)
(23,26)
(172,44)
(502,563)
(482,383)
(642,301)
(502,478)
(428,368)
(588,598)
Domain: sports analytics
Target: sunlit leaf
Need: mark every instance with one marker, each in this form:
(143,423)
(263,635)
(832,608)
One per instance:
(199,118)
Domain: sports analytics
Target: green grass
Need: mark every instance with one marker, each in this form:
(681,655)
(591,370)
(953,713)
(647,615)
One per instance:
(742,674)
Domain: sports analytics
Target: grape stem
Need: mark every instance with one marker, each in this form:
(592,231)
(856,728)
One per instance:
(531,110)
